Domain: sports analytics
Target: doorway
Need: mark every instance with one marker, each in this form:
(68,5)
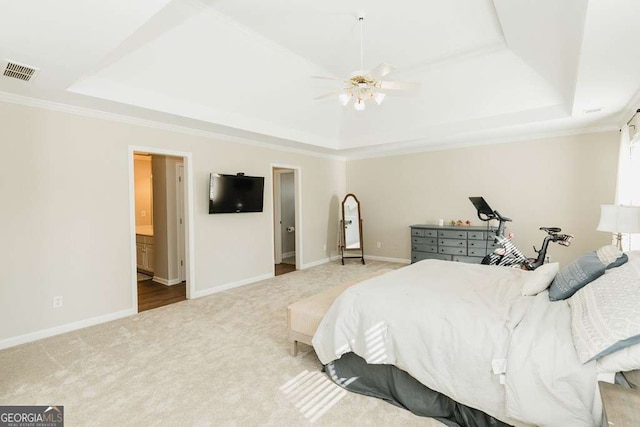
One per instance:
(160,188)
(285,219)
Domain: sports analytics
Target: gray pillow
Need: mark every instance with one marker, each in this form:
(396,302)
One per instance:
(605,316)
(584,270)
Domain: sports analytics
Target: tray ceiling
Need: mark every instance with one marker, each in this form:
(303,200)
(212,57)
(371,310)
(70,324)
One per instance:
(487,68)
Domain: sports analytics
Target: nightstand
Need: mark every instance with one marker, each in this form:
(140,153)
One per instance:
(620,405)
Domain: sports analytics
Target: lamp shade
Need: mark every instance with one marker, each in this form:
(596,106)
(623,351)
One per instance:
(619,219)
(344,98)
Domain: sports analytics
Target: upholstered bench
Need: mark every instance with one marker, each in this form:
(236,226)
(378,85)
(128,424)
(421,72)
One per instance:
(304,316)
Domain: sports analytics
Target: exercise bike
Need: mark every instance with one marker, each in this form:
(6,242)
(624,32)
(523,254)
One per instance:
(508,254)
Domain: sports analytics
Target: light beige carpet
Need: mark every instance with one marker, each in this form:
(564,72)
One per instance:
(220,360)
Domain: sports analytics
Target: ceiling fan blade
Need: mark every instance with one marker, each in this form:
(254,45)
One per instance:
(382,70)
(406,86)
(328,94)
(326,78)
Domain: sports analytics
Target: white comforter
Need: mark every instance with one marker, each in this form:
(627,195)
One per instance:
(466,331)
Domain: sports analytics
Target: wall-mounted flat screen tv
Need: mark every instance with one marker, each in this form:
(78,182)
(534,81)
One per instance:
(235,193)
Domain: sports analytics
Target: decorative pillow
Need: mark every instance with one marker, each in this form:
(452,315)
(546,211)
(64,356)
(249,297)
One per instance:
(540,279)
(605,316)
(627,359)
(584,270)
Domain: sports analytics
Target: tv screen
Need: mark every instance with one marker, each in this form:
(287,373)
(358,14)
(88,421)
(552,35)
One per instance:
(235,193)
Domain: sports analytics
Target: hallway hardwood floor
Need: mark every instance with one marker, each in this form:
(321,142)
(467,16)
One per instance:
(154,295)
(284,268)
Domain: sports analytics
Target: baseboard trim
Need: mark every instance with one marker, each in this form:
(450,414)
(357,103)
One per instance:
(319,262)
(166,282)
(288,254)
(227,286)
(57,330)
(384,258)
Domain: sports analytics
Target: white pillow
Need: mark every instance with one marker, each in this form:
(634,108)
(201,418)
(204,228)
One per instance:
(540,279)
(627,359)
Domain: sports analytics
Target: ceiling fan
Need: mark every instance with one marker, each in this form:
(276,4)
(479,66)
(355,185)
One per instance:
(362,85)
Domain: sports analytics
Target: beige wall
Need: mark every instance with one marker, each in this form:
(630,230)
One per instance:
(550,182)
(69,235)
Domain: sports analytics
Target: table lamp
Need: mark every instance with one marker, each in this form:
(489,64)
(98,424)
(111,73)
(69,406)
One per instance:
(619,219)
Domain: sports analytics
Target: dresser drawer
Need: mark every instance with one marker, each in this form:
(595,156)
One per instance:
(468,259)
(476,235)
(421,232)
(479,252)
(452,243)
(452,234)
(419,256)
(452,251)
(144,240)
(424,241)
(481,244)
(424,248)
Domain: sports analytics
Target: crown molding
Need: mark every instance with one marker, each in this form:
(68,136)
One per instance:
(385,150)
(629,110)
(131,120)
(467,141)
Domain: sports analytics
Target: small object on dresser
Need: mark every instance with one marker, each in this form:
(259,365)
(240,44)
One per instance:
(452,223)
(459,223)
(468,223)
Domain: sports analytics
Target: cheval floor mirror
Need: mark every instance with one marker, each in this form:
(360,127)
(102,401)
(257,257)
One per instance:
(351,245)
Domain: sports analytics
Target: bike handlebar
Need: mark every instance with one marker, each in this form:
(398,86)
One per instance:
(493,215)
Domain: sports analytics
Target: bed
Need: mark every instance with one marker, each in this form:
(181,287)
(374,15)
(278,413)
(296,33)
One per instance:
(467,332)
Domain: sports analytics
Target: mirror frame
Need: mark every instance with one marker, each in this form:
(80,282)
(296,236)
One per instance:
(343,243)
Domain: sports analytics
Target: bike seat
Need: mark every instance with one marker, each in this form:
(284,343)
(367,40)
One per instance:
(551,229)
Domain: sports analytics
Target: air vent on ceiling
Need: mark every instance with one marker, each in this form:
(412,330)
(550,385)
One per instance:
(19,71)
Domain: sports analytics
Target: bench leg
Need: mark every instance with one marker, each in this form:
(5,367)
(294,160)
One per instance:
(294,348)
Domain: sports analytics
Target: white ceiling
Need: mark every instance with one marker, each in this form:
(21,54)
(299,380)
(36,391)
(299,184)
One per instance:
(489,69)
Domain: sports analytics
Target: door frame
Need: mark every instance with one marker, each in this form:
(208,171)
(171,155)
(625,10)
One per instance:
(297,184)
(277,217)
(181,227)
(189,210)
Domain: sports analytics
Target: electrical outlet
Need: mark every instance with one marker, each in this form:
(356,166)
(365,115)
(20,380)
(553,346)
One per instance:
(57,302)
(378,245)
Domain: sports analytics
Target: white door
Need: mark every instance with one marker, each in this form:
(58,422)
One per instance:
(287,214)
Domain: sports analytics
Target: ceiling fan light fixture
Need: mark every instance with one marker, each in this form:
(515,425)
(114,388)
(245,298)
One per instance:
(344,98)
(363,84)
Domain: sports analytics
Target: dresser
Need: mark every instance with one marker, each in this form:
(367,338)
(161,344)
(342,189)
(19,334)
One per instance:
(463,244)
